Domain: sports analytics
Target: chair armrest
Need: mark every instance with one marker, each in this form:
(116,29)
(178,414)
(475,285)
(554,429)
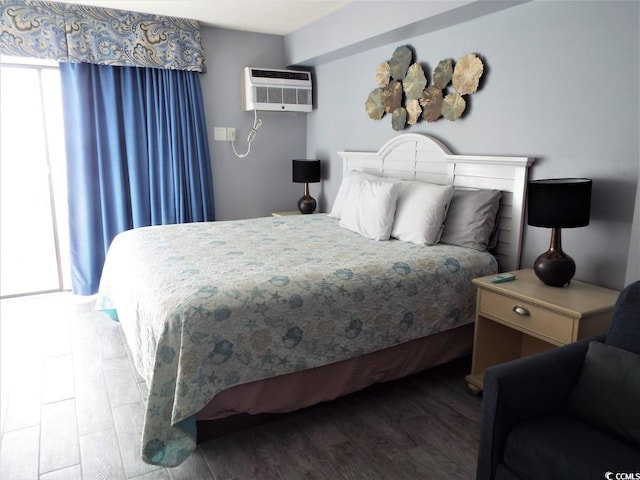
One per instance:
(528,387)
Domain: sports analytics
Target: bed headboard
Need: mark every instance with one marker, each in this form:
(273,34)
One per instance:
(414,156)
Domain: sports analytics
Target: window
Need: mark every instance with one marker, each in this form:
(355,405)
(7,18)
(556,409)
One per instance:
(33,204)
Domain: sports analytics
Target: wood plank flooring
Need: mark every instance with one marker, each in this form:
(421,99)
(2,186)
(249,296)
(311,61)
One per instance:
(71,408)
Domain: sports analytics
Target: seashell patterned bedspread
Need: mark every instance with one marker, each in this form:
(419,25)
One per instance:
(205,306)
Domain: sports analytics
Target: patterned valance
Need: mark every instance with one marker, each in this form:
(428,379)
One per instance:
(75,33)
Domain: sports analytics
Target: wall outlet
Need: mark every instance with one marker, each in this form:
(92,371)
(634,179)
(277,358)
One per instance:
(224,134)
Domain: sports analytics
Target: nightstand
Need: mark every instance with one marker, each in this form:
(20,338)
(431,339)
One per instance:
(525,316)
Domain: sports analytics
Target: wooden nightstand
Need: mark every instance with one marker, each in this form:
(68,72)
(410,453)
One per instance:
(525,316)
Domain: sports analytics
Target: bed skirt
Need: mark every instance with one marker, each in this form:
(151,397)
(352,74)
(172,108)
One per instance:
(294,391)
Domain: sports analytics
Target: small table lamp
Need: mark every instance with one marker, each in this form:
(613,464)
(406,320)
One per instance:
(558,203)
(306,171)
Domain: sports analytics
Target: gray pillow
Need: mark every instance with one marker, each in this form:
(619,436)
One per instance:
(608,391)
(471,218)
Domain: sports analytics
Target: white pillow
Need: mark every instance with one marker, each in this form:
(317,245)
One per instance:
(421,210)
(345,185)
(341,197)
(370,206)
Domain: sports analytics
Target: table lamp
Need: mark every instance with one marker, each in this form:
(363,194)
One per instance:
(558,203)
(306,171)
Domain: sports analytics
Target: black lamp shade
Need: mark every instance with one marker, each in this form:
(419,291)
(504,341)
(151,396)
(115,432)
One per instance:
(306,171)
(559,202)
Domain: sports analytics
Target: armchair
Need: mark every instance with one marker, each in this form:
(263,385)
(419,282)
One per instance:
(535,424)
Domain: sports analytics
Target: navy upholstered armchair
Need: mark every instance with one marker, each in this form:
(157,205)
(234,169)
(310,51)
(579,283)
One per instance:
(568,413)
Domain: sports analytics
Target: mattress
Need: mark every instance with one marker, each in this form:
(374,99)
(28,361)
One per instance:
(208,306)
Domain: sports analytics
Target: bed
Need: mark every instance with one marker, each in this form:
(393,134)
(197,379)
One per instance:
(276,314)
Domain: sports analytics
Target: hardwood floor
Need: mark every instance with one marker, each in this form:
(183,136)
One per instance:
(71,408)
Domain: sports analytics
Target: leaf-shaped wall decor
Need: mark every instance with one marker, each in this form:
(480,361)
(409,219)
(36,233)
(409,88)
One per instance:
(431,101)
(413,111)
(404,94)
(398,119)
(373,105)
(383,74)
(414,82)
(400,62)
(467,73)
(391,96)
(452,106)
(443,73)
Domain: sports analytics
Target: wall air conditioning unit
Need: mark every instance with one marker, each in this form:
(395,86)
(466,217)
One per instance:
(276,90)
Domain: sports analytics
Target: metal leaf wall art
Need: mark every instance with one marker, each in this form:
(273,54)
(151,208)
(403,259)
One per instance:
(400,62)
(414,82)
(467,74)
(453,106)
(443,73)
(405,93)
(383,75)
(392,96)
(431,101)
(413,111)
(374,107)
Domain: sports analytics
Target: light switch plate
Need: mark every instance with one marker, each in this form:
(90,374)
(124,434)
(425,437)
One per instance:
(220,134)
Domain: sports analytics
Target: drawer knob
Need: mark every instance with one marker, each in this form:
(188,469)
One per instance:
(521,311)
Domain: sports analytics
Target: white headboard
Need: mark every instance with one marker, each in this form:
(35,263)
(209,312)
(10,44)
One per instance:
(414,156)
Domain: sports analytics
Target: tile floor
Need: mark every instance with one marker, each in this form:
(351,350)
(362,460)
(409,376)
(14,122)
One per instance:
(71,408)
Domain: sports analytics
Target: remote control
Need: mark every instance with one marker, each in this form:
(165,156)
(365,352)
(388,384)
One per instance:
(503,277)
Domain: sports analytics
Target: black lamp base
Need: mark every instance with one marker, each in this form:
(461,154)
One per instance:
(554,267)
(307,204)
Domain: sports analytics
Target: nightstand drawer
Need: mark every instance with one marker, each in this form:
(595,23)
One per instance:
(532,318)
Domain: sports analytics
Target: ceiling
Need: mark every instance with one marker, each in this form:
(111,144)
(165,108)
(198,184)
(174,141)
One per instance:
(279,17)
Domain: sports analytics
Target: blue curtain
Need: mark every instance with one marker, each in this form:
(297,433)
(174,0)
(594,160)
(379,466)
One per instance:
(137,155)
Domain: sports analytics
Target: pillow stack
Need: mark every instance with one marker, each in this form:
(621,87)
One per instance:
(418,212)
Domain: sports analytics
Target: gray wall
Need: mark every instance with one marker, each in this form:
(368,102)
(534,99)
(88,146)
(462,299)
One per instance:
(561,84)
(260,183)
(363,25)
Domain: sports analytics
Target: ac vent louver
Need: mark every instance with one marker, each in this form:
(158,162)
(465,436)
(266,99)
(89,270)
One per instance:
(276,90)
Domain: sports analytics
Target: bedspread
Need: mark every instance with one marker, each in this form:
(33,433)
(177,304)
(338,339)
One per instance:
(205,306)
